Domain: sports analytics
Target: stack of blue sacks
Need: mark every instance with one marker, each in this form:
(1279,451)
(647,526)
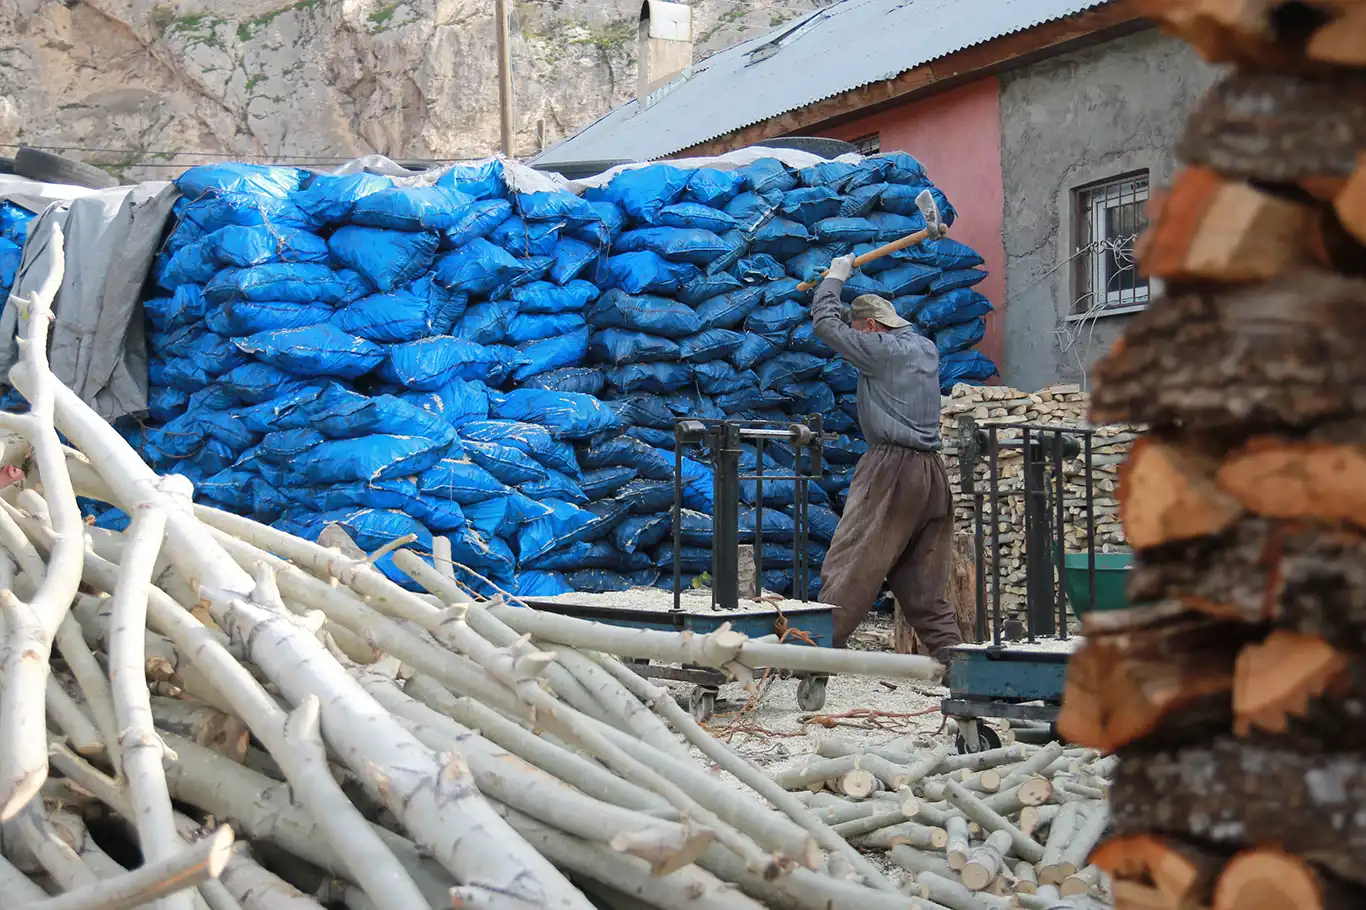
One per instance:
(504,368)
(14,223)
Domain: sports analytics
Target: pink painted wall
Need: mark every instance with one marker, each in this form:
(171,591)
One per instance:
(957,136)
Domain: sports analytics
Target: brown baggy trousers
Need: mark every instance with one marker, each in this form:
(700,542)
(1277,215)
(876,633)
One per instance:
(898,527)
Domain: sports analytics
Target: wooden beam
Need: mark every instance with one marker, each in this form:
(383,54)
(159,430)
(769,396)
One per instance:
(1110,20)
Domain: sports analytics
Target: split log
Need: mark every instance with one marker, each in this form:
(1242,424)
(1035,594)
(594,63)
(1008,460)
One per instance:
(986,861)
(1270,878)
(1032,818)
(1234,794)
(1035,764)
(857,783)
(1306,577)
(959,845)
(1276,128)
(1033,792)
(1289,357)
(1341,42)
(1168,493)
(1183,875)
(1309,479)
(1280,677)
(1174,679)
(1026,878)
(1082,882)
(1350,202)
(1091,825)
(1208,228)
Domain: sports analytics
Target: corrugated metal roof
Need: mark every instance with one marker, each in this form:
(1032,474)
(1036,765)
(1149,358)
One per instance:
(832,50)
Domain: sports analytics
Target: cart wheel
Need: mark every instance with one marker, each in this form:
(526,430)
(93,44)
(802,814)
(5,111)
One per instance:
(811,693)
(987,738)
(702,703)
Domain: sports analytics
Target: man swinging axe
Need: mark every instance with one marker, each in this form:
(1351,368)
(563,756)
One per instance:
(898,522)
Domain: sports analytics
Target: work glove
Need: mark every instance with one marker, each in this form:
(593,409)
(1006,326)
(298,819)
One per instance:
(841,268)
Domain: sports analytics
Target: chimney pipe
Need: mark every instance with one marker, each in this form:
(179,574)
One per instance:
(665,44)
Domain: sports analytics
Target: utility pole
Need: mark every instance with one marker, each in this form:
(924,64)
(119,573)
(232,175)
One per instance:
(500,15)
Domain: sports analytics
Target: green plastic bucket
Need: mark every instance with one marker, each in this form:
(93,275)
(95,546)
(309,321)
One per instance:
(1112,571)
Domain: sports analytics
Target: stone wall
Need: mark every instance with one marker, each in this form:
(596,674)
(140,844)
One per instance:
(1059,405)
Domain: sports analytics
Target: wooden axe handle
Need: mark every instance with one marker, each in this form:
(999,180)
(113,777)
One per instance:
(886,249)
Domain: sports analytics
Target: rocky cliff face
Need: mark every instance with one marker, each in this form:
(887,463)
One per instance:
(139,85)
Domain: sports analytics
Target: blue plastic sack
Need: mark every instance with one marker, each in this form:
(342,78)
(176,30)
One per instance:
(646,497)
(477,221)
(620,346)
(754,350)
(726,311)
(833,174)
(640,532)
(812,397)
(767,175)
(598,581)
(957,279)
(691,245)
(608,222)
(647,273)
(650,463)
(242,247)
(461,481)
(247,317)
(961,336)
(781,238)
(711,344)
(783,290)
(544,297)
(510,465)
(692,560)
(689,215)
(658,378)
(489,555)
(661,439)
(891,226)
(429,363)
(524,239)
(234,177)
(14,222)
(845,450)
(341,412)
(566,524)
(405,314)
(805,339)
(776,320)
(787,369)
(479,181)
(571,258)
(541,584)
(717,377)
(907,279)
(752,211)
(288,281)
(909,307)
(759,269)
(287,408)
(602,482)
(963,305)
(567,415)
(529,438)
(706,286)
(860,284)
(644,409)
(488,518)
(808,205)
(457,402)
(165,403)
(328,199)
(945,252)
(316,350)
(713,187)
(215,354)
(844,230)
(486,323)
(556,485)
(812,262)
(655,315)
(209,213)
(902,168)
(643,192)
(188,305)
(366,458)
(534,326)
(690,403)
(411,208)
(385,258)
(561,206)
(547,354)
(478,268)
(585,380)
(860,202)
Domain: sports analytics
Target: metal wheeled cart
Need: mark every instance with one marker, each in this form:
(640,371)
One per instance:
(1020,672)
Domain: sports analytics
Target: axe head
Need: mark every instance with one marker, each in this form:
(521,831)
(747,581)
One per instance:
(934,224)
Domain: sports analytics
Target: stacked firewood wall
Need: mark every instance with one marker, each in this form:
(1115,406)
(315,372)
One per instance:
(1058,405)
(1233,690)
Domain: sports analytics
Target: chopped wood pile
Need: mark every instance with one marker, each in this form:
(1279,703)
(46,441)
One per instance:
(1060,405)
(1232,692)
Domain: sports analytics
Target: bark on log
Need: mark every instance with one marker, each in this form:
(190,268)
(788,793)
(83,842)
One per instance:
(1172,680)
(1023,845)
(1276,128)
(1234,794)
(1288,358)
(946,892)
(918,861)
(205,724)
(959,845)
(1270,878)
(1208,228)
(1302,576)
(1248,32)
(986,861)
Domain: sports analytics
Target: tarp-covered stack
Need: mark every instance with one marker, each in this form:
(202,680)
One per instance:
(14,221)
(460,358)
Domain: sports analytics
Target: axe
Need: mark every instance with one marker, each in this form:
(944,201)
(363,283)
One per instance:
(934,229)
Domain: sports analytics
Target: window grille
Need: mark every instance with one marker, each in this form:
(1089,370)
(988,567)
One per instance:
(868,145)
(1110,216)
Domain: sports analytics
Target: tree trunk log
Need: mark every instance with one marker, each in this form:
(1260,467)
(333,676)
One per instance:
(1167,493)
(1270,878)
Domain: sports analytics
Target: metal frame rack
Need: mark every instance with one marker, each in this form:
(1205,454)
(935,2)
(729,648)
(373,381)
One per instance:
(1018,681)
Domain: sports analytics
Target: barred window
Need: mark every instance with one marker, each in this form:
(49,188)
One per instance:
(868,145)
(1109,218)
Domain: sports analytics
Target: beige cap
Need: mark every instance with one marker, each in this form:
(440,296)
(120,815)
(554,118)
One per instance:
(871,306)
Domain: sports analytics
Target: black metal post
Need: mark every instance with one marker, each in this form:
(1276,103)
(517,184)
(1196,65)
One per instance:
(678,521)
(980,556)
(1059,501)
(1090,530)
(726,521)
(759,514)
(995,492)
(1031,521)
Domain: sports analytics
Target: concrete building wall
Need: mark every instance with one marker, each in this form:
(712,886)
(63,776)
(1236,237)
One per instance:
(1078,119)
(956,136)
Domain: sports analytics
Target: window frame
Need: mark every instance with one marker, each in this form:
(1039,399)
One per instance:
(1091,202)
(864,144)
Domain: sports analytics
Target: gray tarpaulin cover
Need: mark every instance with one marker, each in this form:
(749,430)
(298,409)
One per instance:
(98,348)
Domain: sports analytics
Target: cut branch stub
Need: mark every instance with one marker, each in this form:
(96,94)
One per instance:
(1289,355)
(1280,677)
(1168,493)
(1308,479)
(1182,874)
(1207,228)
